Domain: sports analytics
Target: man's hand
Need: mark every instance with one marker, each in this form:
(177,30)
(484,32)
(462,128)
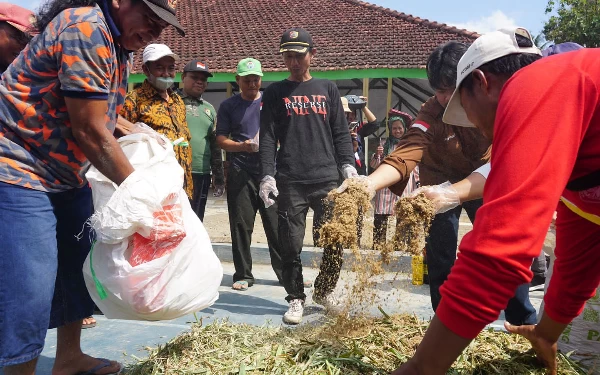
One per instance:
(348,171)
(219,190)
(268,185)
(123,127)
(248,146)
(545,350)
(379,150)
(363,180)
(443,196)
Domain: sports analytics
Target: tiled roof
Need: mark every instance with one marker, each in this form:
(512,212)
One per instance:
(348,34)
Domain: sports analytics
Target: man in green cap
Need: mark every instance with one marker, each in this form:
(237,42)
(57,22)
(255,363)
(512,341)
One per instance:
(201,118)
(238,123)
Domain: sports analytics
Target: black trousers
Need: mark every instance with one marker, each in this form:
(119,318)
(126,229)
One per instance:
(200,195)
(243,202)
(294,201)
(441,253)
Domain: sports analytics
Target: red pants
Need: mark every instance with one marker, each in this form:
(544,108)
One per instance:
(576,274)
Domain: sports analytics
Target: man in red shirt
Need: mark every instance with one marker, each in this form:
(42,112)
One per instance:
(544,123)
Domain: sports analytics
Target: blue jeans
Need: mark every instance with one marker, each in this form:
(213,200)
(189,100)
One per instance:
(43,244)
(441,254)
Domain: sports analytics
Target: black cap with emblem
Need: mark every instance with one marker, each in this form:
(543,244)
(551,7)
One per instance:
(197,65)
(165,10)
(295,39)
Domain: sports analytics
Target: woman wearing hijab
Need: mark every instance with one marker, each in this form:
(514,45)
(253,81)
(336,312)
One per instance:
(385,200)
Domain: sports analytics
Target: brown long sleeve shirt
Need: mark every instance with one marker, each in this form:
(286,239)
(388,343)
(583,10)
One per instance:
(443,152)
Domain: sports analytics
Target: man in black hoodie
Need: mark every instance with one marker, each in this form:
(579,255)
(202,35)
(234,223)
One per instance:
(306,117)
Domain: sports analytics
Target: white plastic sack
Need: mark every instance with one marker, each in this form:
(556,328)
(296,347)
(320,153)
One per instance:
(152,259)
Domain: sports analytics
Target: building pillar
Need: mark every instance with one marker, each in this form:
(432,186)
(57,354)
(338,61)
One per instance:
(390,82)
(366,95)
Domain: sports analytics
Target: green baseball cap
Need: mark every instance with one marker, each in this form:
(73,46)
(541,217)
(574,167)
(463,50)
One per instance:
(249,66)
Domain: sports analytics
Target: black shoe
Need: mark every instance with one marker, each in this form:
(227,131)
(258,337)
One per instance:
(537,283)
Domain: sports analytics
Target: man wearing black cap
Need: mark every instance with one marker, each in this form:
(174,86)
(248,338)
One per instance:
(201,118)
(306,117)
(165,9)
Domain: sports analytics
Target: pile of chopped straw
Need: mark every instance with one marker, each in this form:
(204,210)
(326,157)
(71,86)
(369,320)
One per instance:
(370,346)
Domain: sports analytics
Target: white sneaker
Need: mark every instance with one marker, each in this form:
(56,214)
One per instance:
(294,313)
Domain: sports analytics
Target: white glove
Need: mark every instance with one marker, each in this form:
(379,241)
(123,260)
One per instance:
(363,180)
(268,185)
(443,196)
(254,142)
(348,171)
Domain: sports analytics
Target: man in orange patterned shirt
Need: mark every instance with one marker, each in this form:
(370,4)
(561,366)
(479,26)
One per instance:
(59,101)
(160,107)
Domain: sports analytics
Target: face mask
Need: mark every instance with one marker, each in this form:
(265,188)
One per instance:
(161,83)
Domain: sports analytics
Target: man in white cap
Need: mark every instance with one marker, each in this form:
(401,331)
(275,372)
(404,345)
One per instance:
(544,123)
(157,105)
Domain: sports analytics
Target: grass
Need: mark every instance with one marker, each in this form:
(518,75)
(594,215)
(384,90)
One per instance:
(339,346)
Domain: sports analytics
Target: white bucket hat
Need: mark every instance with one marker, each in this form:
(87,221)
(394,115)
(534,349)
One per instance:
(154,52)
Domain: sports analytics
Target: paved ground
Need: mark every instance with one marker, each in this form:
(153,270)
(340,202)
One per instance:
(262,304)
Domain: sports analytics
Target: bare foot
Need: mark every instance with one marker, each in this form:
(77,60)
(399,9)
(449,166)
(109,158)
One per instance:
(544,349)
(86,363)
(89,322)
(241,285)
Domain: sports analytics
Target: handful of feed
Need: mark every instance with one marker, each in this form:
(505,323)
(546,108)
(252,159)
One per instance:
(344,209)
(413,219)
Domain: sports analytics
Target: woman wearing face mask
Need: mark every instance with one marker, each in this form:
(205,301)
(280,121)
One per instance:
(157,105)
(385,200)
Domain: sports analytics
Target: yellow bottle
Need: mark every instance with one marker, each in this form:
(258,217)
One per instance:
(417,270)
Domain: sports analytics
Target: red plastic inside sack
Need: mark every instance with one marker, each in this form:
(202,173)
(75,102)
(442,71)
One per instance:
(152,297)
(167,233)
